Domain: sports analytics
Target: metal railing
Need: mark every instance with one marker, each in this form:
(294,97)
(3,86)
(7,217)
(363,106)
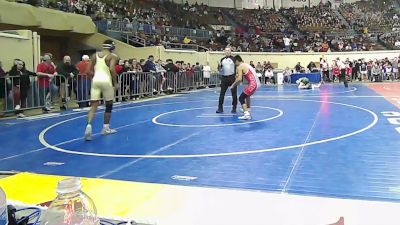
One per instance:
(138,41)
(179,46)
(150,29)
(47,92)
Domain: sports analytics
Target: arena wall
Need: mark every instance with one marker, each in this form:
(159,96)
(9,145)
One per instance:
(280,60)
(263,3)
(21,44)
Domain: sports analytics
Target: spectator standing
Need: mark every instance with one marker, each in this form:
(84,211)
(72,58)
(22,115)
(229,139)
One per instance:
(228,77)
(369,69)
(119,68)
(325,70)
(287,75)
(395,68)
(161,73)
(335,71)
(66,82)
(298,68)
(136,77)
(355,70)
(198,76)
(149,67)
(207,74)
(21,83)
(252,64)
(349,70)
(83,82)
(286,42)
(269,76)
(170,67)
(363,71)
(3,89)
(45,72)
(342,76)
(376,73)
(311,67)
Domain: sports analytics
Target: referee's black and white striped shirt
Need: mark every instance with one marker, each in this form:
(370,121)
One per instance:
(228,67)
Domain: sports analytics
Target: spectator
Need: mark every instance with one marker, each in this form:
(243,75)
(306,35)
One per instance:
(45,72)
(287,73)
(136,77)
(252,64)
(21,83)
(149,66)
(397,44)
(311,67)
(207,74)
(395,65)
(325,70)
(348,71)
(68,73)
(342,67)
(259,67)
(335,71)
(269,76)
(363,71)
(3,89)
(119,68)
(161,75)
(136,67)
(186,40)
(171,67)
(197,68)
(298,68)
(376,73)
(83,82)
(287,41)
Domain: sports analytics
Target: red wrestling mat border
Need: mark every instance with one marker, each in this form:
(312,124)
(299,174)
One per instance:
(391,91)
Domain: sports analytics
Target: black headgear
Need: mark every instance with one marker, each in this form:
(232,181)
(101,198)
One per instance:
(109,44)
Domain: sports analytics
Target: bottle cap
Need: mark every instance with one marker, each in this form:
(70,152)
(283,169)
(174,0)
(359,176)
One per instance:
(69,185)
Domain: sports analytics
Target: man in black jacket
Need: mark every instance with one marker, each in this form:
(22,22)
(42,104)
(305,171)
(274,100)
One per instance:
(68,73)
(170,67)
(228,77)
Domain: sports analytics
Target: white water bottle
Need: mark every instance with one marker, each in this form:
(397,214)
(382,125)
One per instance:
(3,208)
(71,207)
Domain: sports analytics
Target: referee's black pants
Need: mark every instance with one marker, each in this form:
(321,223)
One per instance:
(344,78)
(227,81)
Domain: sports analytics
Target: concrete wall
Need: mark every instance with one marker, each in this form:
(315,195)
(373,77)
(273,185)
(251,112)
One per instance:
(123,50)
(25,46)
(281,60)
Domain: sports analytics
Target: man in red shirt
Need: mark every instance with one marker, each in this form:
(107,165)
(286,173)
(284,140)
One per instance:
(45,72)
(83,82)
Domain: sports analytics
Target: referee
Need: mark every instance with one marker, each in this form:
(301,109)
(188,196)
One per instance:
(228,73)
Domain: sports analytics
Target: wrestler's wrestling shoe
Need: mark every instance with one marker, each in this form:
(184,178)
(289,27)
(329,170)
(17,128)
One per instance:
(246,116)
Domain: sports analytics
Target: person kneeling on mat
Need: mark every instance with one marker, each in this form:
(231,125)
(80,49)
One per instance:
(248,72)
(304,83)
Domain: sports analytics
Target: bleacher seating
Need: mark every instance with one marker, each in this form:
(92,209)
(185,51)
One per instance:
(252,30)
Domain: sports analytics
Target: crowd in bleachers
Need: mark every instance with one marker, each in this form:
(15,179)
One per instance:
(251,30)
(371,16)
(315,19)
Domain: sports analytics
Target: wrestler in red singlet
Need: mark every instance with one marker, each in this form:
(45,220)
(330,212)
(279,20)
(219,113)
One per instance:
(248,72)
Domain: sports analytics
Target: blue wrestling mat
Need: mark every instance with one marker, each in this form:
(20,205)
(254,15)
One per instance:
(326,142)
